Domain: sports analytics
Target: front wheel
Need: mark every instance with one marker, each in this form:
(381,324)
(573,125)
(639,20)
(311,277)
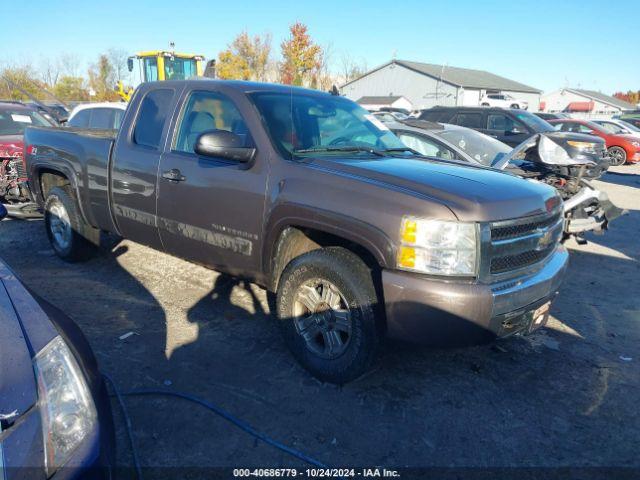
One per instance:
(617,156)
(516,106)
(67,232)
(328,311)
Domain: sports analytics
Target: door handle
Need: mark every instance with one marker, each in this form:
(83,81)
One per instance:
(174,175)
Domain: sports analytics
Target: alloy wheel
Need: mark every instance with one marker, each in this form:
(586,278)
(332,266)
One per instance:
(322,318)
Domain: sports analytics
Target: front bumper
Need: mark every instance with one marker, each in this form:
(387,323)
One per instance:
(451,313)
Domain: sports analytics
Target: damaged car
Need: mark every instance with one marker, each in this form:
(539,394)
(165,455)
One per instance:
(567,162)
(14,191)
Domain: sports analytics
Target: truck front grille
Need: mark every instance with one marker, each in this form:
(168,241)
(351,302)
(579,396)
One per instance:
(524,259)
(512,231)
(521,243)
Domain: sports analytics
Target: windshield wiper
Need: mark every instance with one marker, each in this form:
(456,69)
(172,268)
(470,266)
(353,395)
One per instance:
(345,148)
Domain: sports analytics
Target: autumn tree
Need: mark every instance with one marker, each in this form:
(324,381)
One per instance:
(102,80)
(302,59)
(246,58)
(630,96)
(14,81)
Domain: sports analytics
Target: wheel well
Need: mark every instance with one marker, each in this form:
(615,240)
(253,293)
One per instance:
(50,179)
(295,241)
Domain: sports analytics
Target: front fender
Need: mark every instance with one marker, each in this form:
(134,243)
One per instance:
(367,236)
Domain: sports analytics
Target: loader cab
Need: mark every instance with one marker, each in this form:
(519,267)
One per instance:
(160,65)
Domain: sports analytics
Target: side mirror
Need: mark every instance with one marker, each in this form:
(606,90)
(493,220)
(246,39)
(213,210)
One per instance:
(130,64)
(3,211)
(223,144)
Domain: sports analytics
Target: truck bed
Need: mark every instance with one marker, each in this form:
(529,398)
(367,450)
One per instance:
(83,155)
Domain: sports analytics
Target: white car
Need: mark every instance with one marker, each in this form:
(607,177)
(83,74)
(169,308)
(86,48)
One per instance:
(618,127)
(103,116)
(503,100)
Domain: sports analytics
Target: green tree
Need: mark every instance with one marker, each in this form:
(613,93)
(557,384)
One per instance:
(246,58)
(301,58)
(71,88)
(13,81)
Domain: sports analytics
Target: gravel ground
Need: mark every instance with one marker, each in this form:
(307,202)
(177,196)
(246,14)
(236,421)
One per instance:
(566,396)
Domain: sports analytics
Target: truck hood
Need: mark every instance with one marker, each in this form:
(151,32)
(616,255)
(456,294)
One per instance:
(471,193)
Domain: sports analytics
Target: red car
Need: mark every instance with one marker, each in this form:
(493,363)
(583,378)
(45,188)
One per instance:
(622,148)
(14,118)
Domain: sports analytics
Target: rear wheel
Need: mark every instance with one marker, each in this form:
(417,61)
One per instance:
(68,233)
(327,308)
(617,156)
(516,106)
(484,104)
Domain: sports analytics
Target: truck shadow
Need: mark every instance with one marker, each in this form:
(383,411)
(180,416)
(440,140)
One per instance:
(537,401)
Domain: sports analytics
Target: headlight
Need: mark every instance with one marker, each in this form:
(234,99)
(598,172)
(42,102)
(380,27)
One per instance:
(438,247)
(635,144)
(68,412)
(582,145)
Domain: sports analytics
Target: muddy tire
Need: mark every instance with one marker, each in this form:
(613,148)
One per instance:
(329,314)
(71,238)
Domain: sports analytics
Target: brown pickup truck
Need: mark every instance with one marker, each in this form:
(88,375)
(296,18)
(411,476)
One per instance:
(311,197)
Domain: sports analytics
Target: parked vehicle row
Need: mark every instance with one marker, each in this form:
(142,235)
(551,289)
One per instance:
(622,147)
(14,192)
(283,186)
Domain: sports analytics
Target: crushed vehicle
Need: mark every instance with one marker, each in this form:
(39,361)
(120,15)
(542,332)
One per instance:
(14,191)
(311,197)
(561,160)
(55,414)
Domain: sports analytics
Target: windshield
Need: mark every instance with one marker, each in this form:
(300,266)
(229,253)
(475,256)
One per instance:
(534,122)
(630,126)
(13,122)
(610,127)
(179,68)
(478,146)
(300,124)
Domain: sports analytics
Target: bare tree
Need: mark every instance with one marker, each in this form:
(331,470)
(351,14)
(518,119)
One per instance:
(69,65)
(49,71)
(350,68)
(118,60)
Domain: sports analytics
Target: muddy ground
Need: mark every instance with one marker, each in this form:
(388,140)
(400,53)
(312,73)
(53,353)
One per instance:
(566,396)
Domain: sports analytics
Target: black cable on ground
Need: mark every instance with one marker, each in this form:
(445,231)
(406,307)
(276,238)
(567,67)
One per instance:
(128,427)
(218,411)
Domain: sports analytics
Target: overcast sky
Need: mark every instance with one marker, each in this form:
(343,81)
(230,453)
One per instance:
(545,44)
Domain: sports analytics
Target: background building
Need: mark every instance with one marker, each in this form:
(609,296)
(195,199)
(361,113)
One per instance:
(583,103)
(427,85)
(376,103)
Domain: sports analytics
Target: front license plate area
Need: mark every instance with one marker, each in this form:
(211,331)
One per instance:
(539,316)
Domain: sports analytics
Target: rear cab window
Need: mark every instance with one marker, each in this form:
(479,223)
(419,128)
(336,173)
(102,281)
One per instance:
(152,117)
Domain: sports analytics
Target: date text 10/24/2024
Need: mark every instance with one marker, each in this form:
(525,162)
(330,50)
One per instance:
(316,473)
